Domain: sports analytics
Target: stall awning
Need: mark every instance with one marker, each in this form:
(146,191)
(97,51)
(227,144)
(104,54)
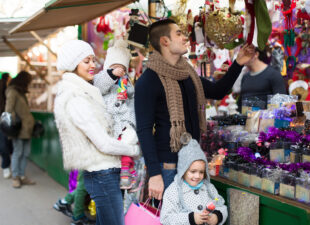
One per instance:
(20,41)
(61,13)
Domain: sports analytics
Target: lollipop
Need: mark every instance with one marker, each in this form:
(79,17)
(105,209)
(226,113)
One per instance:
(210,206)
(122,88)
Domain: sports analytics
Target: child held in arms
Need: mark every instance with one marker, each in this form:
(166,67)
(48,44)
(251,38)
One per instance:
(191,198)
(118,95)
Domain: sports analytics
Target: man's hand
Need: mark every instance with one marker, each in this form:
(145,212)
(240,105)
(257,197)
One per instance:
(212,219)
(245,54)
(118,71)
(156,187)
(201,218)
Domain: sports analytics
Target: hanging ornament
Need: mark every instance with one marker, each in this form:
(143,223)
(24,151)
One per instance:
(178,14)
(257,9)
(103,25)
(222,27)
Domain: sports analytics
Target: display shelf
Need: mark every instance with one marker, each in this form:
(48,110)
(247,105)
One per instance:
(274,209)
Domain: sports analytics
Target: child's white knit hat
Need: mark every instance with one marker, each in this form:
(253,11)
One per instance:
(118,54)
(72,53)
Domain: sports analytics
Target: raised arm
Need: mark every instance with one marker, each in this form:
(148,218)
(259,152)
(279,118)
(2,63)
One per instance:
(104,80)
(217,90)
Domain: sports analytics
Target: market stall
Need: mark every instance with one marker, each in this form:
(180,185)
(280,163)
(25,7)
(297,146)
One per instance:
(263,149)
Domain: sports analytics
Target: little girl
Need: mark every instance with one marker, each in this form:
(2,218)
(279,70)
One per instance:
(118,95)
(186,200)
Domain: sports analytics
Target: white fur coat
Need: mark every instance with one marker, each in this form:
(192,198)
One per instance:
(85,128)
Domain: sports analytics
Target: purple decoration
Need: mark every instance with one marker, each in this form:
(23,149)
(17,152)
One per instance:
(73,180)
(248,155)
(282,113)
(275,134)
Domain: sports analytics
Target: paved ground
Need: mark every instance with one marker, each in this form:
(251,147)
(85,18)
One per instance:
(31,205)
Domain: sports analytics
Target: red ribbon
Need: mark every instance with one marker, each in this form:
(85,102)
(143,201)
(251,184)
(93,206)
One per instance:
(299,47)
(289,11)
(250,8)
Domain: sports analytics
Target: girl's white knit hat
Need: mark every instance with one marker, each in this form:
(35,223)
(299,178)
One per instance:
(118,54)
(72,53)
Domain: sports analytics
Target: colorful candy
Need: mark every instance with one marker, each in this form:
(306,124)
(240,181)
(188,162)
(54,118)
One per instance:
(122,88)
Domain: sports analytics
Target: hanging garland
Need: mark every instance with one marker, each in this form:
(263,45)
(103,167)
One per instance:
(248,155)
(289,36)
(275,134)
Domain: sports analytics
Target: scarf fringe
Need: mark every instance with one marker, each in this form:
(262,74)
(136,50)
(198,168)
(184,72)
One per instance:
(177,129)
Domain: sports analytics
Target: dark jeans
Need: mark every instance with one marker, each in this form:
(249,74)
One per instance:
(168,175)
(5,150)
(103,187)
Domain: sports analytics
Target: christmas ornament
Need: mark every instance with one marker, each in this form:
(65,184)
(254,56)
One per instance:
(223,27)
(103,25)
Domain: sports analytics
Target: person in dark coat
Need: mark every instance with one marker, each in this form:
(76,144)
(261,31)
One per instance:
(17,104)
(5,143)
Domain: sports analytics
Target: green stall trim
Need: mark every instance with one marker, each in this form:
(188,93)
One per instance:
(46,151)
(273,210)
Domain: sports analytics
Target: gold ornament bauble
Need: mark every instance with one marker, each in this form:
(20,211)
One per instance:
(223,27)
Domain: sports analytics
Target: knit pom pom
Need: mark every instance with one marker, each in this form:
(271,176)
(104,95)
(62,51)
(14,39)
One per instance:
(120,43)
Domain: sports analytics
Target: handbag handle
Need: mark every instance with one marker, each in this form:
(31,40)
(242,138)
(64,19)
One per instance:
(159,208)
(148,201)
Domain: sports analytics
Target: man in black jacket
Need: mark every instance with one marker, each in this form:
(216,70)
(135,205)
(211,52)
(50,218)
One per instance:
(169,97)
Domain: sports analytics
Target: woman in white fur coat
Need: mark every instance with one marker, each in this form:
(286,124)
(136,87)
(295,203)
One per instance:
(86,132)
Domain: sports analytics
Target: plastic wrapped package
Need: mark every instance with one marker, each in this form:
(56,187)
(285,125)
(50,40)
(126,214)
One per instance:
(287,185)
(252,104)
(277,100)
(296,154)
(244,174)
(280,151)
(271,180)
(302,193)
(256,177)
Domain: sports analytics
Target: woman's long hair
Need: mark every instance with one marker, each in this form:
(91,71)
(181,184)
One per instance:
(21,82)
(3,83)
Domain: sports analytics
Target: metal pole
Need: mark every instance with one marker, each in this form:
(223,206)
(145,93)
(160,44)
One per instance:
(41,42)
(23,58)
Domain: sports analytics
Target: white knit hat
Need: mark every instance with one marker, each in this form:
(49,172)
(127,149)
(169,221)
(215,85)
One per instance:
(72,53)
(118,54)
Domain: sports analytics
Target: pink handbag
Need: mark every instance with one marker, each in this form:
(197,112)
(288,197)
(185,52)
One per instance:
(142,214)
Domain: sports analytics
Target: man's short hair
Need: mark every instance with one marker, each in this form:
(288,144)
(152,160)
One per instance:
(157,30)
(263,54)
